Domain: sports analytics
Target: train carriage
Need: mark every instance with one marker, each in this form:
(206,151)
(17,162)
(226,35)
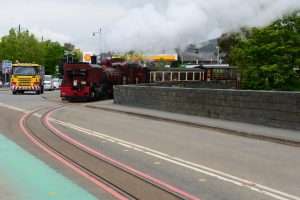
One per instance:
(176,74)
(84,81)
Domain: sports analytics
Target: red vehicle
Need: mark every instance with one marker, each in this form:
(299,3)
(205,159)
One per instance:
(84,81)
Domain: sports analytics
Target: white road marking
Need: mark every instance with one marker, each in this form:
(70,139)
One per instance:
(125,145)
(187,164)
(14,108)
(37,115)
(190,165)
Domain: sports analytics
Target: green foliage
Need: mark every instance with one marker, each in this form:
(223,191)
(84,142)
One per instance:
(225,42)
(53,54)
(177,63)
(21,46)
(78,54)
(266,56)
(161,63)
(24,47)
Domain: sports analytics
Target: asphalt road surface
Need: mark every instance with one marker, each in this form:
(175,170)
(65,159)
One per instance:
(204,163)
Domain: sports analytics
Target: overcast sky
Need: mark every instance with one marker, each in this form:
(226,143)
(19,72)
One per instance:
(145,25)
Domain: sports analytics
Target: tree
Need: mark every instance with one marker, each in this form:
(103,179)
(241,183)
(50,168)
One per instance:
(266,56)
(53,54)
(226,42)
(161,63)
(21,46)
(177,63)
(78,54)
(24,47)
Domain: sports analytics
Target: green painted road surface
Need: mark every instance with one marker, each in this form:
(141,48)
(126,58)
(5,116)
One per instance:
(23,177)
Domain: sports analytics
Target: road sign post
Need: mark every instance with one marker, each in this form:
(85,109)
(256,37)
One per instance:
(6,70)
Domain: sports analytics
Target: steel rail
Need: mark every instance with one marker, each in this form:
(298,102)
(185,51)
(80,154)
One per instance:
(126,182)
(38,141)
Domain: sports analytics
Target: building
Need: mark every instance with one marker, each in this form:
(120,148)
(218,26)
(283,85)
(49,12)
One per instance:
(200,58)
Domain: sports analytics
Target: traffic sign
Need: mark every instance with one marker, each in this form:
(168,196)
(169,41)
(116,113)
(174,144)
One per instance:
(69,53)
(6,66)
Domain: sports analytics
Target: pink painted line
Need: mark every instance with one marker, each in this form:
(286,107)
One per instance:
(170,187)
(65,162)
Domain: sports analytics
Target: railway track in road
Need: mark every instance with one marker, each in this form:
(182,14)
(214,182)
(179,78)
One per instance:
(120,180)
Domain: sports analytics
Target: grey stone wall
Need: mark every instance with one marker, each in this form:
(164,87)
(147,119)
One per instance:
(278,109)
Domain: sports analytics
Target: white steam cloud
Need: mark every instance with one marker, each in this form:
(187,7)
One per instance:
(176,23)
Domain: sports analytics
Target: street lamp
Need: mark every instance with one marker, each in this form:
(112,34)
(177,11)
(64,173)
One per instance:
(19,29)
(218,54)
(94,34)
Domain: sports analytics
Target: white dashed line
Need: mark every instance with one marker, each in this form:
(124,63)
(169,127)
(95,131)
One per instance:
(187,164)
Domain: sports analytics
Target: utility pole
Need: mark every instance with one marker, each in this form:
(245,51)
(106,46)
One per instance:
(98,32)
(218,54)
(19,29)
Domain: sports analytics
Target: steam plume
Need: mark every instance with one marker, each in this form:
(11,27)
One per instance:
(177,23)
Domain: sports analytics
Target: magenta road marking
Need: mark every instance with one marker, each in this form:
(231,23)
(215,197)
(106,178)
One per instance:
(65,162)
(174,189)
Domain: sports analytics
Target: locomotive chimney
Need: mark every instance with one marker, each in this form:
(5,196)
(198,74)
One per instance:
(94,59)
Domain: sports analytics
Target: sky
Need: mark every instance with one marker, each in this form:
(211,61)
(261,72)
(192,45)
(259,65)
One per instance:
(150,26)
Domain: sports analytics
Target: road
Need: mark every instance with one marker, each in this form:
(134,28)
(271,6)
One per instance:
(204,163)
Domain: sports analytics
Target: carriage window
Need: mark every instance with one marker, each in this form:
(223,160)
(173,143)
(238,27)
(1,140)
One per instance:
(197,76)
(182,76)
(233,73)
(190,76)
(215,73)
(158,76)
(175,76)
(167,76)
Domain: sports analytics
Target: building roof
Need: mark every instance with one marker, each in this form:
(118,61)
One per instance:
(201,57)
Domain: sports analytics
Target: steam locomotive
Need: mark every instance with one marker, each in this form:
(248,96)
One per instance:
(85,81)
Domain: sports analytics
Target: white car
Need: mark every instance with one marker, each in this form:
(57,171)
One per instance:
(48,83)
(57,83)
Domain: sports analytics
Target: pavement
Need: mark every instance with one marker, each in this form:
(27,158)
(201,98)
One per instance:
(23,177)
(279,135)
(4,88)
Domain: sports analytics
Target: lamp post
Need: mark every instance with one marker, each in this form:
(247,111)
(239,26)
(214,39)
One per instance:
(218,54)
(19,29)
(98,32)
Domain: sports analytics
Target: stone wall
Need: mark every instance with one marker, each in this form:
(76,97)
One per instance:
(278,109)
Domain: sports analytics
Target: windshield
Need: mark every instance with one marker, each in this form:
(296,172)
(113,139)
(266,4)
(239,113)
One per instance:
(25,71)
(76,72)
(56,80)
(47,78)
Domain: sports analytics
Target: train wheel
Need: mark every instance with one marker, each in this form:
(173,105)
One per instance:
(14,92)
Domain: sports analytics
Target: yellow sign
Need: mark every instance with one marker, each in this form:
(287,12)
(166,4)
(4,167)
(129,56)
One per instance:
(87,57)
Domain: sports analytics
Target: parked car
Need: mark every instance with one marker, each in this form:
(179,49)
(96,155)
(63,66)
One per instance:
(48,83)
(57,83)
